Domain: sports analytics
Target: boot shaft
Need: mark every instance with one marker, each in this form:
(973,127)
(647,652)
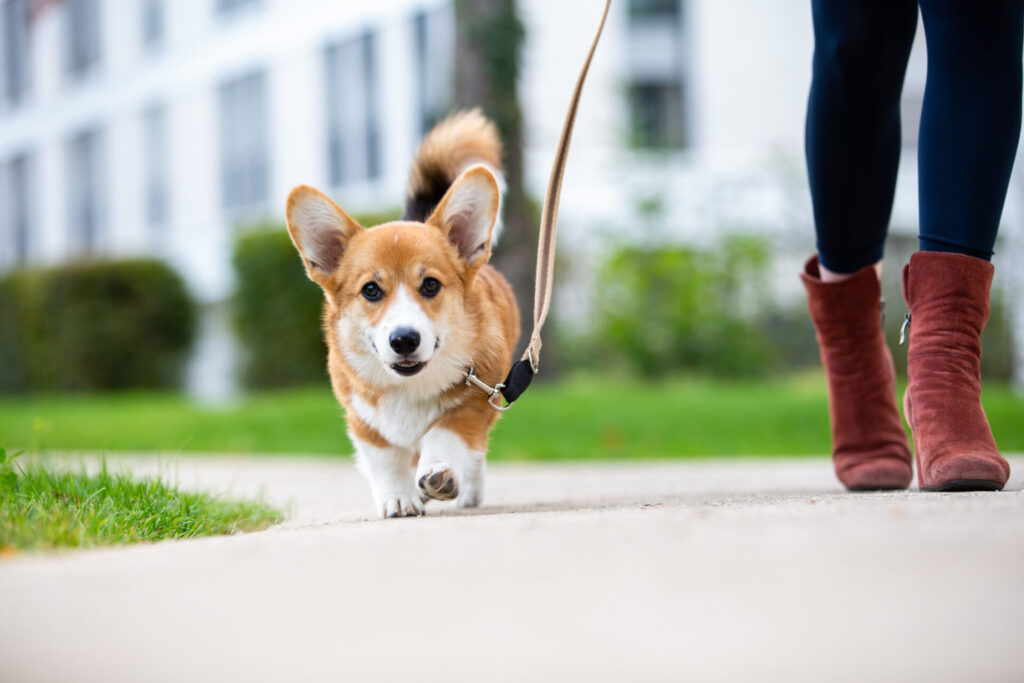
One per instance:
(947,298)
(869,447)
(948,301)
(843,312)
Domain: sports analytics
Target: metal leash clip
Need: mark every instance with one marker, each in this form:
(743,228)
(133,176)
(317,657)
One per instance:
(493,393)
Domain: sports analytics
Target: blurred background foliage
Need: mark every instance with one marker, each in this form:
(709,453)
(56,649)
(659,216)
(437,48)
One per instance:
(276,313)
(669,309)
(681,341)
(94,326)
(669,342)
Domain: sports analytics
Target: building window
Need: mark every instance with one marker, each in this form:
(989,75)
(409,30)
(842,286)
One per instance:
(82,21)
(15,18)
(230,6)
(85,190)
(154,124)
(152,23)
(657,10)
(17,216)
(656,91)
(656,109)
(433,64)
(243,143)
(353,132)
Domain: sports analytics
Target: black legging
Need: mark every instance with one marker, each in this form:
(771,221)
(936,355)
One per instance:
(970,122)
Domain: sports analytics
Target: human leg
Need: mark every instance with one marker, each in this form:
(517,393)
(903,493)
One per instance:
(970,127)
(853,125)
(869,446)
(970,121)
(948,299)
(853,146)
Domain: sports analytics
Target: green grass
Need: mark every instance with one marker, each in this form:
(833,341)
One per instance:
(582,418)
(46,508)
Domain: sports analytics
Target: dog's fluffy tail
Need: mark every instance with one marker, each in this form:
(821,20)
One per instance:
(464,139)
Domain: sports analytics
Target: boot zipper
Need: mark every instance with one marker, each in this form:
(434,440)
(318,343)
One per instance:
(903,329)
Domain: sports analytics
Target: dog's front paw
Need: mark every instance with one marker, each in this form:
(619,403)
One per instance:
(439,482)
(470,497)
(400,506)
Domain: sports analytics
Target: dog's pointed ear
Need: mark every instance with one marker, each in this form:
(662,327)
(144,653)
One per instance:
(467,214)
(319,229)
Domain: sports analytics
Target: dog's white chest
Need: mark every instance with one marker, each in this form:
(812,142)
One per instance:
(401,420)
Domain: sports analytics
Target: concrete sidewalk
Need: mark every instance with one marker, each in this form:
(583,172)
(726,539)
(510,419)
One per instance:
(712,570)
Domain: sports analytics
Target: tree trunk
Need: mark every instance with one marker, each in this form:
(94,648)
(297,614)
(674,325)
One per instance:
(489,36)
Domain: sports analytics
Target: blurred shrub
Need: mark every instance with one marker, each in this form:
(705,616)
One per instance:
(997,357)
(789,332)
(276,308)
(276,311)
(94,326)
(676,308)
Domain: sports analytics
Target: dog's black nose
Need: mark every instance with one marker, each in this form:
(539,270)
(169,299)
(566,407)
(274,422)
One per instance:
(405,341)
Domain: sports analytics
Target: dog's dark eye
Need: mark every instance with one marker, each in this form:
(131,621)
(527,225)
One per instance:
(372,291)
(430,287)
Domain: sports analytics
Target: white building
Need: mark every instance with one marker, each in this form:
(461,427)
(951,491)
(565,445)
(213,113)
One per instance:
(156,127)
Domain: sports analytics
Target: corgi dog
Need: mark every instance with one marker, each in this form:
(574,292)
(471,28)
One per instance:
(410,307)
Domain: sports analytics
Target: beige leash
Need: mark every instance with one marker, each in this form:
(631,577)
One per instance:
(523,370)
(549,214)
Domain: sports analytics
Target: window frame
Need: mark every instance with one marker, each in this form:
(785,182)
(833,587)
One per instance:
(17,54)
(243,109)
(83,39)
(86,189)
(355,145)
(18,215)
(152,24)
(156,165)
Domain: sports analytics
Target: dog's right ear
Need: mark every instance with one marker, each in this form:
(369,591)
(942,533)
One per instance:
(319,229)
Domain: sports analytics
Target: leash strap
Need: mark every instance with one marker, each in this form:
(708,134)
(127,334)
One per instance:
(523,370)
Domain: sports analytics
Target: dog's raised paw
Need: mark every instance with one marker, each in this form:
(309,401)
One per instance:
(401,506)
(439,482)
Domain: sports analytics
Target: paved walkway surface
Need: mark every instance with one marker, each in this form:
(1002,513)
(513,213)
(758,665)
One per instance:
(711,570)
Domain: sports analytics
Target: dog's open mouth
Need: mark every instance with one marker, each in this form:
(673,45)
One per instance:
(408,368)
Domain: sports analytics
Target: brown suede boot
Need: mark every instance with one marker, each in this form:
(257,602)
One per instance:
(948,299)
(869,446)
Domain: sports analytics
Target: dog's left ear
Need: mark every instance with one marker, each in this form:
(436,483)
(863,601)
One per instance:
(467,214)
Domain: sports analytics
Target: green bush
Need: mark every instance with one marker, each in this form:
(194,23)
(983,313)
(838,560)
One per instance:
(94,326)
(276,311)
(276,308)
(675,308)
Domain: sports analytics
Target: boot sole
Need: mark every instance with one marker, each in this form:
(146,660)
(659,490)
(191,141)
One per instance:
(870,489)
(956,485)
(964,485)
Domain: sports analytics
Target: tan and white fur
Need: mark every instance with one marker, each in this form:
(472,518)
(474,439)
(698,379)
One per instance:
(409,307)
